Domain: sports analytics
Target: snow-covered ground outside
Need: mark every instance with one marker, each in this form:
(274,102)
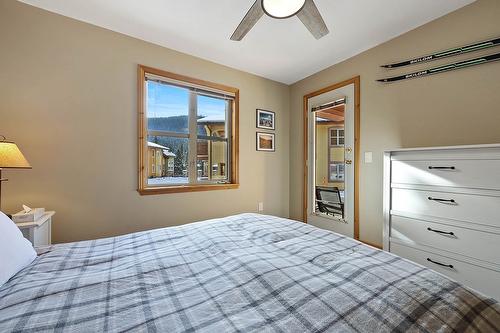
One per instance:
(167,180)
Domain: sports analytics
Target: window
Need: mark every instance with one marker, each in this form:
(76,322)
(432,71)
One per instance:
(336,136)
(336,172)
(336,165)
(186,125)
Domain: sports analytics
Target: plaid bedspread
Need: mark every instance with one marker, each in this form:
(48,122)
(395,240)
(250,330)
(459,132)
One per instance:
(248,273)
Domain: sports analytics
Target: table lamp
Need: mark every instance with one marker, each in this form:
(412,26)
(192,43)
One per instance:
(10,158)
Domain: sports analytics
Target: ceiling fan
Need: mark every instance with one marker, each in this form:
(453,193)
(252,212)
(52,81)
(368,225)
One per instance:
(305,10)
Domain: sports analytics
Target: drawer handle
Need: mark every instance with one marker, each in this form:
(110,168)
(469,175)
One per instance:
(441,232)
(441,168)
(438,263)
(441,200)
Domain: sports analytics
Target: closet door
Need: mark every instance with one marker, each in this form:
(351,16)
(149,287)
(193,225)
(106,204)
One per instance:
(331,169)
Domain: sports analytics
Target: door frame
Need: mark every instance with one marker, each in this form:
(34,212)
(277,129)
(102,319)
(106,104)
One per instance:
(356,81)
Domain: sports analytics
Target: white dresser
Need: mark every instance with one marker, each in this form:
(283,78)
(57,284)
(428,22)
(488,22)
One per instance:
(442,210)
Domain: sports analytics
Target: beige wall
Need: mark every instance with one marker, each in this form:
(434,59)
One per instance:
(68,98)
(461,107)
(321,155)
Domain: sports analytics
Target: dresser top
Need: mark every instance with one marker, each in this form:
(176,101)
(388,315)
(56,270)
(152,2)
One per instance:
(490,145)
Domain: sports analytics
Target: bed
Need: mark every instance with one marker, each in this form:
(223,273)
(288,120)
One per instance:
(248,273)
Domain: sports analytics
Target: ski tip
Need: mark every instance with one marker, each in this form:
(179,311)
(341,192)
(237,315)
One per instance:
(386,66)
(383,80)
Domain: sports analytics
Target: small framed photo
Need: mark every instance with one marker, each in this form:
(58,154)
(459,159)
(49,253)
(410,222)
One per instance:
(265,119)
(265,141)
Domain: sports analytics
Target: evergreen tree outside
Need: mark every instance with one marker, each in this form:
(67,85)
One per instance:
(180,161)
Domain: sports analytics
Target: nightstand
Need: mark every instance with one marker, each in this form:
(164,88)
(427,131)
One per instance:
(38,232)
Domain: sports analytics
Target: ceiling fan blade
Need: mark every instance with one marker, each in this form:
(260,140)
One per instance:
(253,15)
(311,18)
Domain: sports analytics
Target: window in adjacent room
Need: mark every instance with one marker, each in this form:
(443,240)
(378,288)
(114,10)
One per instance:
(336,138)
(336,172)
(186,125)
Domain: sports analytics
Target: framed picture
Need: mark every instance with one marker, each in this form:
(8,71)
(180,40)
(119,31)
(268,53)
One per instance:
(265,119)
(265,141)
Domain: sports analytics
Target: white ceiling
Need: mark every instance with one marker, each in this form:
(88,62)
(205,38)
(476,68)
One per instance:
(281,50)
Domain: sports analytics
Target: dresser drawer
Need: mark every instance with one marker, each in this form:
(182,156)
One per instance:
(480,209)
(472,243)
(477,277)
(481,174)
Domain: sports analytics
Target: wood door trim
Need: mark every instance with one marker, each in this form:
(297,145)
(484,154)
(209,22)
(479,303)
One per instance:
(356,81)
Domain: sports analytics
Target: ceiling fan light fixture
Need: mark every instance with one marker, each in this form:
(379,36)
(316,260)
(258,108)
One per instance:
(282,9)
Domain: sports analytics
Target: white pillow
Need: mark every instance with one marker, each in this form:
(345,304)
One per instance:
(16,252)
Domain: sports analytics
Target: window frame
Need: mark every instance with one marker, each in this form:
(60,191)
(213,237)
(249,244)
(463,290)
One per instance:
(337,164)
(233,140)
(337,136)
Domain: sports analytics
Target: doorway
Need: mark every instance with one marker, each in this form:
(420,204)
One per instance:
(331,150)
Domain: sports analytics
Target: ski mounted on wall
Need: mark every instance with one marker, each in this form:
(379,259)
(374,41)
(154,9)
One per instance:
(448,53)
(444,68)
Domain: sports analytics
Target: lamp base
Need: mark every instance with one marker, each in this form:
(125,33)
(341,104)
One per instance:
(2,180)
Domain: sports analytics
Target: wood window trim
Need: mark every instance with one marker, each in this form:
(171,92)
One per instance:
(142,135)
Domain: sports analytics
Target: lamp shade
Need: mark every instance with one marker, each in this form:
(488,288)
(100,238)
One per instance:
(11,156)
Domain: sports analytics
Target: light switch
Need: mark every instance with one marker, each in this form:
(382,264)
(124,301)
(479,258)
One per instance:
(368,157)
